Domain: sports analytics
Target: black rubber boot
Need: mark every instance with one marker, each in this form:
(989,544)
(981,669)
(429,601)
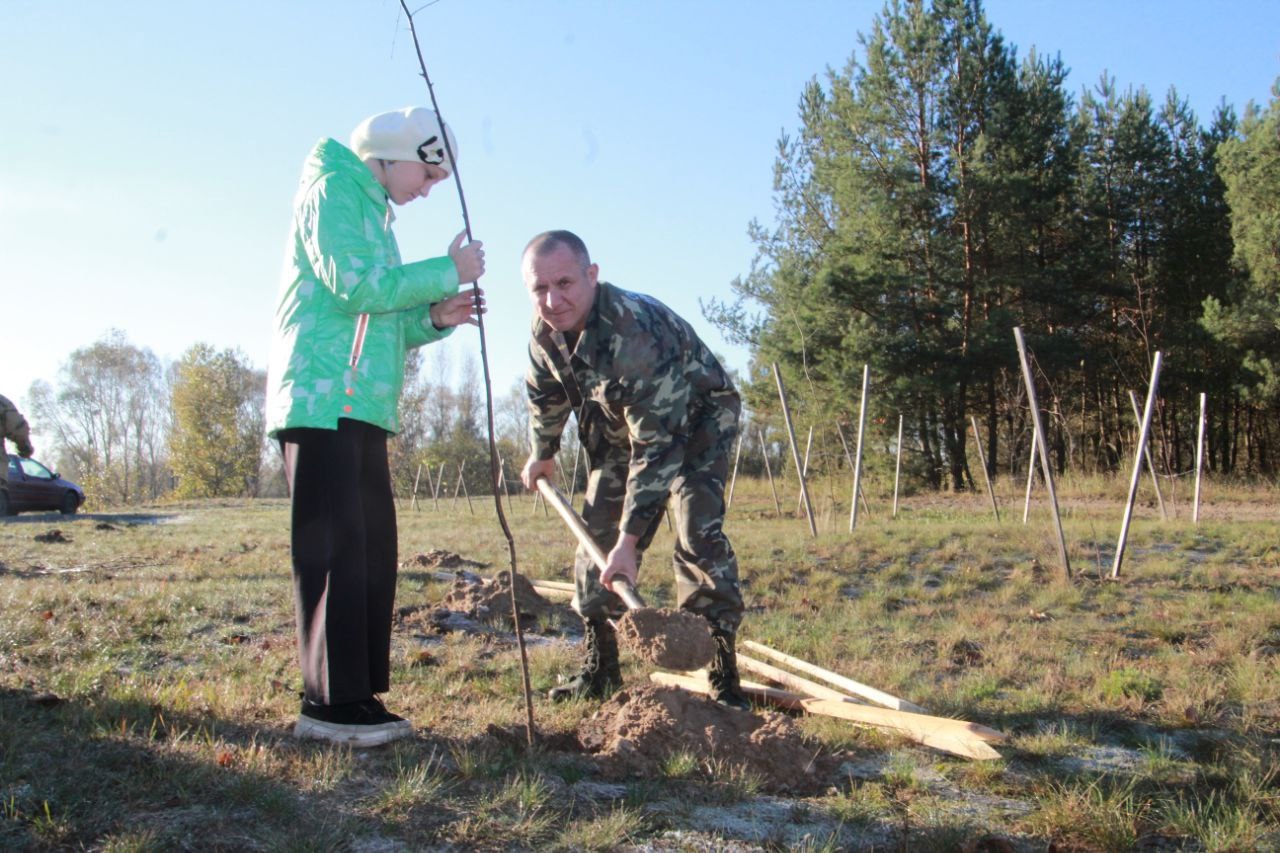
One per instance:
(723,674)
(600,674)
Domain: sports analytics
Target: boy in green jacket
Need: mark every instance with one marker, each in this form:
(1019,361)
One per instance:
(349,310)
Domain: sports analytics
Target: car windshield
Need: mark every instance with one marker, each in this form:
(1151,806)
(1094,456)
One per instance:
(32,468)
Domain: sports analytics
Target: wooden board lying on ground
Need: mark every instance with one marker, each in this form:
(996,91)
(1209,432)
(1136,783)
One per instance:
(543,586)
(788,679)
(956,737)
(848,685)
(811,690)
(560,586)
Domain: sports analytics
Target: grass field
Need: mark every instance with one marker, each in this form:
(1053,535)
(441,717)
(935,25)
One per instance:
(148,684)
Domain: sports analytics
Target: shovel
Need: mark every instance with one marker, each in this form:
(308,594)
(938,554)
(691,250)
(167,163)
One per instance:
(671,639)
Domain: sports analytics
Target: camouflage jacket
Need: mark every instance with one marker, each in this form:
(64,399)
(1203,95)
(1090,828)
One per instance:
(13,426)
(642,379)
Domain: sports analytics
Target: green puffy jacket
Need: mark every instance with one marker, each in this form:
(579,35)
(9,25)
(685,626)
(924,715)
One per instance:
(342,265)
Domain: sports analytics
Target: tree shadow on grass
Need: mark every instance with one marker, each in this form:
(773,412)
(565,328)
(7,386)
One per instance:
(76,774)
(116,518)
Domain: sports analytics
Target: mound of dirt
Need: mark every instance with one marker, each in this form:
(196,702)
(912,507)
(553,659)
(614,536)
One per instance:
(437,558)
(671,639)
(489,600)
(634,732)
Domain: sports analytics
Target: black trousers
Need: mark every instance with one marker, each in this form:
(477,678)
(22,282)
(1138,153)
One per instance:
(344,558)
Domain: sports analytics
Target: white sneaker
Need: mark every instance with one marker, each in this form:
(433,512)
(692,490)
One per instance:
(357,724)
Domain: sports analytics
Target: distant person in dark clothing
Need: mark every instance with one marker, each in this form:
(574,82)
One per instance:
(13,427)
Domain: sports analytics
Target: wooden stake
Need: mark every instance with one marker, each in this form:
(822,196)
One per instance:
(542,586)
(733,481)
(562,586)
(848,458)
(430,486)
(982,460)
(502,482)
(835,679)
(795,452)
(857,456)
(787,679)
(769,471)
(897,468)
(808,445)
(413,504)
(1137,464)
(955,737)
(573,483)
(1146,453)
(462,484)
(1031,474)
(1195,505)
(951,736)
(1045,470)
(439,484)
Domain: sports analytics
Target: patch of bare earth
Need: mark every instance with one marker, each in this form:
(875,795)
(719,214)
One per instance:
(639,728)
(493,599)
(438,558)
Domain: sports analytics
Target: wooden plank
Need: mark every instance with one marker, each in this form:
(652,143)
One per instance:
(921,728)
(1143,431)
(809,688)
(949,724)
(835,679)
(795,452)
(857,456)
(560,585)
(955,737)
(1045,468)
(554,587)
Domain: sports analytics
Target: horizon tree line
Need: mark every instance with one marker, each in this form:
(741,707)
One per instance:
(937,192)
(940,191)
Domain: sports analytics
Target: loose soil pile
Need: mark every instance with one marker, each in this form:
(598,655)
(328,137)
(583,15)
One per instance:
(490,600)
(634,733)
(671,639)
(437,558)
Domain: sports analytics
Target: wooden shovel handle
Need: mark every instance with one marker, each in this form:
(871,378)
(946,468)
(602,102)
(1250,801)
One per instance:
(561,504)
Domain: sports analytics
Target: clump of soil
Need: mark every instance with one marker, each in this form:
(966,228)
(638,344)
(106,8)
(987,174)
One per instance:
(437,558)
(493,599)
(966,653)
(54,535)
(636,730)
(671,639)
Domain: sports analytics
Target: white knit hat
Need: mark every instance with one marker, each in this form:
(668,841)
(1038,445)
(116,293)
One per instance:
(412,133)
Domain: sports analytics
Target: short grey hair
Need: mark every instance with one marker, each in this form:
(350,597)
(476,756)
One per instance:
(548,241)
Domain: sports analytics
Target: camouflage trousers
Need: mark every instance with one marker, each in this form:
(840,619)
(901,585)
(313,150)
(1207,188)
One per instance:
(706,569)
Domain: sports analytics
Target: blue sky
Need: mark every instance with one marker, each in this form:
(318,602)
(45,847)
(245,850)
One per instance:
(149,150)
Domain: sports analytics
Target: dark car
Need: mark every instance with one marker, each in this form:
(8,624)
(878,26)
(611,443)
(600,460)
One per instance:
(33,487)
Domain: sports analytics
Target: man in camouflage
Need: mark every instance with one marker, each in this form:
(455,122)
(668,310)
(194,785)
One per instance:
(657,415)
(13,427)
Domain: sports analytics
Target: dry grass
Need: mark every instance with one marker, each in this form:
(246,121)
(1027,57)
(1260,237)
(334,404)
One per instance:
(148,684)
